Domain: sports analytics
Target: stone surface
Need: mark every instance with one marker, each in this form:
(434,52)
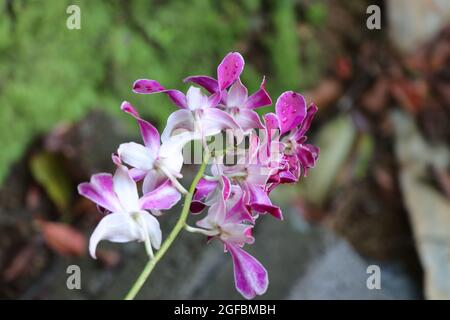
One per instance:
(304,262)
(411,22)
(282,247)
(340,273)
(429,209)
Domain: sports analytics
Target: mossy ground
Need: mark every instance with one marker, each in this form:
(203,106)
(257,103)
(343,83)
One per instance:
(50,74)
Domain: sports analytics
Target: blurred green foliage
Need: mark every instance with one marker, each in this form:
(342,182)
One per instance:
(50,74)
(46,168)
(316,14)
(284,45)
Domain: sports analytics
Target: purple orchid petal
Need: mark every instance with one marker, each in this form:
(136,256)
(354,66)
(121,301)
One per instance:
(88,191)
(239,212)
(226,190)
(116,159)
(237,95)
(215,120)
(206,82)
(312,110)
(307,155)
(236,234)
(260,201)
(214,99)
(149,133)
(146,86)
(253,148)
(137,174)
(162,198)
(287,177)
(204,188)
(284,175)
(229,70)
(248,119)
(250,276)
(215,216)
(294,166)
(271,209)
(271,121)
(197,207)
(272,124)
(260,98)
(258,174)
(314,150)
(152,180)
(100,190)
(291,110)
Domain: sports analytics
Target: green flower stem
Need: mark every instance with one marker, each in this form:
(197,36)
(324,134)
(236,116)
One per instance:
(181,223)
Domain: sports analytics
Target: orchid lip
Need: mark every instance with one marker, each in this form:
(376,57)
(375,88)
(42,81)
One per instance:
(148,246)
(209,233)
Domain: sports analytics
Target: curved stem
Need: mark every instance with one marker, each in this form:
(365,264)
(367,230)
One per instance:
(172,236)
(174,181)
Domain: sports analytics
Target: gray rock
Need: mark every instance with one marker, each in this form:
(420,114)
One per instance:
(342,274)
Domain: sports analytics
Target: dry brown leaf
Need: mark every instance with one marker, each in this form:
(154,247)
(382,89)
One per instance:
(410,95)
(325,93)
(109,258)
(376,99)
(343,68)
(63,238)
(19,263)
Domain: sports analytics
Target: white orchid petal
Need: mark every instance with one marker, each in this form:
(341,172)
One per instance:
(196,99)
(171,151)
(216,215)
(248,120)
(136,155)
(153,229)
(177,121)
(162,198)
(236,233)
(126,190)
(237,95)
(115,227)
(152,180)
(215,120)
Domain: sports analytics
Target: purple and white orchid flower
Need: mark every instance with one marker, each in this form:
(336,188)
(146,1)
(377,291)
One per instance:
(236,100)
(127,219)
(152,161)
(226,220)
(234,195)
(198,113)
(201,118)
(228,71)
(252,172)
(295,120)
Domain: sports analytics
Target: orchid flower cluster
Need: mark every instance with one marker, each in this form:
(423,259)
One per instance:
(232,197)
